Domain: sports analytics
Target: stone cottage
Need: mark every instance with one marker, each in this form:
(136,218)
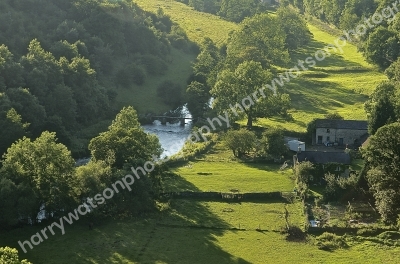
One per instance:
(340,132)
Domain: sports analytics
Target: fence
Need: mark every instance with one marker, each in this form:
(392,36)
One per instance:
(220,196)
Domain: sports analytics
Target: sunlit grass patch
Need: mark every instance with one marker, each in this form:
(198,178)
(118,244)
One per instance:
(197,25)
(221,172)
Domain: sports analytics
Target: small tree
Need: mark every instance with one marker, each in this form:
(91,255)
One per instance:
(240,141)
(304,172)
(126,139)
(10,256)
(273,143)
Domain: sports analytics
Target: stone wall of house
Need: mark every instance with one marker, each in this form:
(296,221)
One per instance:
(348,135)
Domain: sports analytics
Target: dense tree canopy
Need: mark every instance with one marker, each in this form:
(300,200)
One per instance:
(260,38)
(383,157)
(62,73)
(125,140)
(38,173)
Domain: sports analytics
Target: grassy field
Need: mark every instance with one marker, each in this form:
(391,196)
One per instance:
(197,25)
(219,171)
(194,232)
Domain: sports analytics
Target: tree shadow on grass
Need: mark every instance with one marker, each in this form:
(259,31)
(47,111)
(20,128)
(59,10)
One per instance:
(184,233)
(336,59)
(320,97)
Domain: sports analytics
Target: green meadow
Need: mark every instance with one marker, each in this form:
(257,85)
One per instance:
(196,232)
(219,171)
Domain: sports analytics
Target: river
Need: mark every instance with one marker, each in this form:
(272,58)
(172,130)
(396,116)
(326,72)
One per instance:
(172,136)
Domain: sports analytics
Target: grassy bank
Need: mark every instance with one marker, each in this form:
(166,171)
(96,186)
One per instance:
(340,83)
(197,25)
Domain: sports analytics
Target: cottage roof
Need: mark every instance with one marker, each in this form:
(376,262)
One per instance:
(341,124)
(324,157)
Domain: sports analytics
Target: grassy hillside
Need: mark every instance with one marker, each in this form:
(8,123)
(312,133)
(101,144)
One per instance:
(197,25)
(344,85)
(341,83)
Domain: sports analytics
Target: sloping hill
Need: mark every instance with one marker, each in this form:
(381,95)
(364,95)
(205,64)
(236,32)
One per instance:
(341,82)
(197,25)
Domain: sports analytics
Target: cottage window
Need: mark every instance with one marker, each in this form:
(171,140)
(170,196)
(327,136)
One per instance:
(328,130)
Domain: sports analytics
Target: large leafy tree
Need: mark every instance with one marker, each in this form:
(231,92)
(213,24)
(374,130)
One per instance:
(126,140)
(239,85)
(295,27)
(198,98)
(10,70)
(352,12)
(383,107)
(41,70)
(28,106)
(205,70)
(43,168)
(260,38)
(383,157)
(393,72)
(382,47)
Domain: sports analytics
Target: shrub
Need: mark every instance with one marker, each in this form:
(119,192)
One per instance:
(389,235)
(294,233)
(328,241)
(368,231)
(10,256)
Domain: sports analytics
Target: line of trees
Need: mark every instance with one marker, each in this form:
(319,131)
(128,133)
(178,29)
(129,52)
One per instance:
(270,144)
(39,175)
(381,44)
